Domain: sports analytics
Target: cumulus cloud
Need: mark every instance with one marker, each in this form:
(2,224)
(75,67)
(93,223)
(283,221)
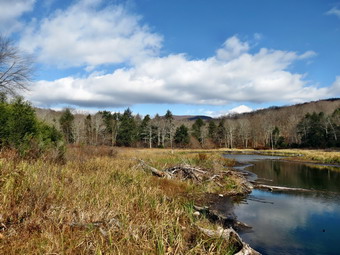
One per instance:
(10,11)
(335,88)
(90,33)
(241,109)
(236,110)
(176,79)
(232,48)
(334,11)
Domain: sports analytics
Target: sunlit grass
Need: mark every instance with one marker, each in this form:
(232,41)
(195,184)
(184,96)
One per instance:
(102,203)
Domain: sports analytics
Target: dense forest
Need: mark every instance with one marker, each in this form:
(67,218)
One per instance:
(313,125)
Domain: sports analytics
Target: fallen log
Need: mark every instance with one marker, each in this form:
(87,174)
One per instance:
(187,172)
(181,172)
(155,171)
(279,188)
(232,237)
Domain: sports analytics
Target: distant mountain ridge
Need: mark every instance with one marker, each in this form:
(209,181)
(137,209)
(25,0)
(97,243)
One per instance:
(325,105)
(192,117)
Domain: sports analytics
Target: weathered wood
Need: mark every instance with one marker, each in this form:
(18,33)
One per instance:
(280,188)
(230,235)
(247,250)
(187,171)
(155,171)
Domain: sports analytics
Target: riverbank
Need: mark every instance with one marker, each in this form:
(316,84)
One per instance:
(328,156)
(103,201)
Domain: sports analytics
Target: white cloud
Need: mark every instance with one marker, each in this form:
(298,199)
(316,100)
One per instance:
(307,54)
(236,110)
(257,78)
(90,33)
(10,11)
(334,11)
(232,48)
(335,88)
(241,109)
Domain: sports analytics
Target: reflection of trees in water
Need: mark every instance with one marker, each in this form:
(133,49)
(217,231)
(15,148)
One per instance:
(276,167)
(297,175)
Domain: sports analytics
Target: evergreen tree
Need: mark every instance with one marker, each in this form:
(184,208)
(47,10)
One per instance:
(22,122)
(145,131)
(212,131)
(182,136)
(169,125)
(4,117)
(20,130)
(88,129)
(111,122)
(197,130)
(127,132)
(221,133)
(313,130)
(66,123)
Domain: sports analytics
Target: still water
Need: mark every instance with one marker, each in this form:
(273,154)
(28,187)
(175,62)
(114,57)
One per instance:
(291,222)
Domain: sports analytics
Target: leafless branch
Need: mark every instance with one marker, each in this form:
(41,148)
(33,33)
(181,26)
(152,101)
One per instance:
(16,68)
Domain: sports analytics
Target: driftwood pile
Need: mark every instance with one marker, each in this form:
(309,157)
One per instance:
(200,175)
(182,172)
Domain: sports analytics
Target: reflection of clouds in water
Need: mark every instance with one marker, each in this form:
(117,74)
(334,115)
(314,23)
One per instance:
(273,224)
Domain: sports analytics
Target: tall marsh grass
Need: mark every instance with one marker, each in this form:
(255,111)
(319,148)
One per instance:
(100,203)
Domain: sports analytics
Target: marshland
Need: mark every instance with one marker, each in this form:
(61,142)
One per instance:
(103,201)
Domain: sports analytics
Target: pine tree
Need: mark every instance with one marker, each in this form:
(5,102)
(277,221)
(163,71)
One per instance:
(169,125)
(67,125)
(88,129)
(145,131)
(212,131)
(111,122)
(182,136)
(127,132)
(22,122)
(197,130)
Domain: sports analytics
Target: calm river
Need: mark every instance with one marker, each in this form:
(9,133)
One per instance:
(291,222)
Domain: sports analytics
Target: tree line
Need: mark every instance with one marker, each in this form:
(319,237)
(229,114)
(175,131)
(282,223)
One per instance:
(265,129)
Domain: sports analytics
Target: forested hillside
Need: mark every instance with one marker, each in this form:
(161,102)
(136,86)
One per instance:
(314,124)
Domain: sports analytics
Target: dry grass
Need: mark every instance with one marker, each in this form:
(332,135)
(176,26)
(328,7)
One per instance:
(321,156)
(101,203)
(317,156)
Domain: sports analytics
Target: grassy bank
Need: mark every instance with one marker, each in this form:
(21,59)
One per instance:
(317,156)
(102,202)
(314,156)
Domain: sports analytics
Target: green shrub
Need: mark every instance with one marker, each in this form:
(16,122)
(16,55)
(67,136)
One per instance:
(20,130)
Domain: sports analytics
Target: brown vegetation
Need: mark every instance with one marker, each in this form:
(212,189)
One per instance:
(99,202)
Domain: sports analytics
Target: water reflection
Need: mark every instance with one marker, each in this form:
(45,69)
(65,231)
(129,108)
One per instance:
(294,222)
(297,175)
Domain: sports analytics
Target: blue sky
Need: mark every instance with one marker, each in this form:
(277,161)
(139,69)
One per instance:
(192,57)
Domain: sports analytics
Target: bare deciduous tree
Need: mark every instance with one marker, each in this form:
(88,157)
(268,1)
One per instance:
(16,68)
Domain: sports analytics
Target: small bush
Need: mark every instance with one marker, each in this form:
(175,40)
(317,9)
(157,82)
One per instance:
(202,157)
